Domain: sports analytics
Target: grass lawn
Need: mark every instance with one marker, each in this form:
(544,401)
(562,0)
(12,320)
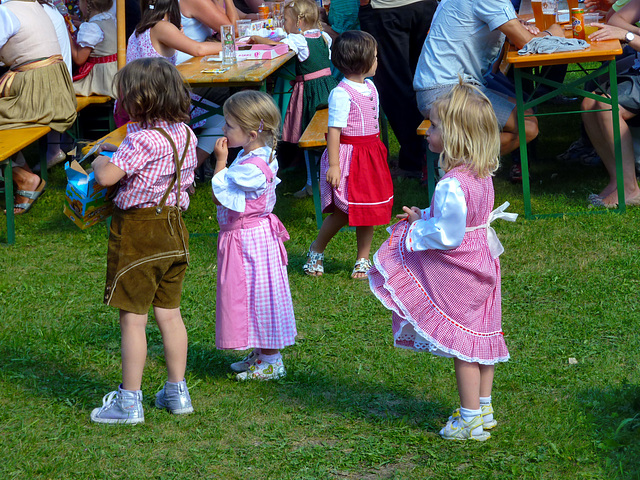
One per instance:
(352,405)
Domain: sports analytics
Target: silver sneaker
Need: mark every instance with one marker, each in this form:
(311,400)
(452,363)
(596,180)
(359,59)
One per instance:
(120,406)
(244,364)
(175,398)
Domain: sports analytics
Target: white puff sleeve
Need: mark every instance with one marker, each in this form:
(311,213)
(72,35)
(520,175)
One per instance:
(298,44)
(446,228)
(89,34)
(232,185)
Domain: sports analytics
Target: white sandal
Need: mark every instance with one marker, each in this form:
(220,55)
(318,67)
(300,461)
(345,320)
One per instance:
(312,267)
(363,265)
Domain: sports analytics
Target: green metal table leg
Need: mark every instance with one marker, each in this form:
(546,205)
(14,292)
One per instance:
(8,195)
(524,160)
(617,147)
(432,162)
(311,158)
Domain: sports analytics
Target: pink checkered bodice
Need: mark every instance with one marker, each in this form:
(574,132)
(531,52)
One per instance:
(259,207)
(363,113)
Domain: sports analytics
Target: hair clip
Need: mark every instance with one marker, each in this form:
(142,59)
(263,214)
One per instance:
(261,126)
(152,6)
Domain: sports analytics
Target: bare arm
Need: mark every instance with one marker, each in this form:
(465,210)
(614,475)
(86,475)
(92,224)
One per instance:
(262,40)
(105,172)
(79,54)
(207,12)
(626,17)
(168,36)
(520,36)
(333,151)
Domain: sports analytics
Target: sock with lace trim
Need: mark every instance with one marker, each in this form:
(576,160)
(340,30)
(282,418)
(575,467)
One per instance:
(486,402)
(468,415)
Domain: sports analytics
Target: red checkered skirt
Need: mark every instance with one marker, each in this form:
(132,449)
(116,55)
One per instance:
(447,302)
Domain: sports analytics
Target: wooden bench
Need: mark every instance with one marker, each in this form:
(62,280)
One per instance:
(11,142)
(311,140)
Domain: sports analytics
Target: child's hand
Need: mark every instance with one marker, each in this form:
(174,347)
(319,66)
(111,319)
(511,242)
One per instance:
(108,147)
(411,214)
(333,176)
(221,151)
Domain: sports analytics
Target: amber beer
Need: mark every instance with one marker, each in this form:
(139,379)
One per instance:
(577,22)
(536,5)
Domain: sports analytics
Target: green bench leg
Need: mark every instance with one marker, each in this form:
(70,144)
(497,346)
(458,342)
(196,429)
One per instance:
(8,195)
(311,157)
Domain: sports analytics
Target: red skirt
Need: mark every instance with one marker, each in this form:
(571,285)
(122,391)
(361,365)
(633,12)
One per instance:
(370,192)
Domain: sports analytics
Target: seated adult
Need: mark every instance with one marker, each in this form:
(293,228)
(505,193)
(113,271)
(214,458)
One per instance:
(599,125)
(465,39)
(342,16)
(37,90)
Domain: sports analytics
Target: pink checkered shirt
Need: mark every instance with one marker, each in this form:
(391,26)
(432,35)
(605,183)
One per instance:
(147,159)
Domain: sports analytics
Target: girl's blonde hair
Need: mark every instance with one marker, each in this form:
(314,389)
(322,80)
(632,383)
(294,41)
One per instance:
(254,110)
(98,6)
(305,11)
(469,129)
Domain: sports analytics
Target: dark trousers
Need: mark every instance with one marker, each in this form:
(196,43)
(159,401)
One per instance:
(400,33)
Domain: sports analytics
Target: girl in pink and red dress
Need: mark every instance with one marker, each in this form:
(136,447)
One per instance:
(358,190)
(439,271)
(158,35)
(253,301)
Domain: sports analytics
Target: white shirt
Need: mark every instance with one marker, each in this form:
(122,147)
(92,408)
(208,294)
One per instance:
(233,185)
(89,33)
(299,45)
(62,33)
(446,229)
(340,102)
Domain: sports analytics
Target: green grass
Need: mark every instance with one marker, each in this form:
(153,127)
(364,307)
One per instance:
(352,406)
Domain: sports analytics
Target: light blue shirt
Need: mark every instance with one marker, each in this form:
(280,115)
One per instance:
(464,39)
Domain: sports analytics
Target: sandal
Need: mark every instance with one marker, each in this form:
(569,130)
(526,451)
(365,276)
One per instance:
(363,265)
(31,196)
(312,267)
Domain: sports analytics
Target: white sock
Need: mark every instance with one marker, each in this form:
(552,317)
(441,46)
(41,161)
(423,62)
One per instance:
(485,402)
(269,358)
(467,415)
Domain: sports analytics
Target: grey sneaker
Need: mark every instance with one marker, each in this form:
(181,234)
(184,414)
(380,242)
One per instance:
(120,406)
(175,398)
(244,364)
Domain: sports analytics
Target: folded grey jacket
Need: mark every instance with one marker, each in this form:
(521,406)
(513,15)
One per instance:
(550,44)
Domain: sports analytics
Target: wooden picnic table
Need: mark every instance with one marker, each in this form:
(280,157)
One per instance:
(528,67)
(247,73)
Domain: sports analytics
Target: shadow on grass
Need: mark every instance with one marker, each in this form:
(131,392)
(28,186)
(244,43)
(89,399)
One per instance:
(615,417)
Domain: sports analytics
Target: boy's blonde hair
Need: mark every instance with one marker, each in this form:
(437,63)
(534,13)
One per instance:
(254,110)
(305,11)
(470,131)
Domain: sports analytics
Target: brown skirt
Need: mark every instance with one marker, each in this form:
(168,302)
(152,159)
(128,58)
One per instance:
(43,96)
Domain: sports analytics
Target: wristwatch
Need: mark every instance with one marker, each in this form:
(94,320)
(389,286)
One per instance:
(628,38)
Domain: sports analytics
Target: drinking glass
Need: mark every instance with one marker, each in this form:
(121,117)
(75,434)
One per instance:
(243,27)
(549,9)
(228,44)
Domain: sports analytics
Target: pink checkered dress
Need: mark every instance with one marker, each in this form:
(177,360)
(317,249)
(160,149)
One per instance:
(253,299)
(447,302)
(365,191)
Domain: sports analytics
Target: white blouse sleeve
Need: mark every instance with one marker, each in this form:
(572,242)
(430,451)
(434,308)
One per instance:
(446,228)
(89,34)
(298,44)
(231,185)
(9,25)
(339,106)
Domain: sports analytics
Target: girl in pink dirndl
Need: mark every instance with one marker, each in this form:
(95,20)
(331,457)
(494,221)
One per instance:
(253,301)
(358,189)
(439,271)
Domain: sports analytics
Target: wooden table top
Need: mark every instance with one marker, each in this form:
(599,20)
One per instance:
(245,73)
(314,134)
(597,52)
